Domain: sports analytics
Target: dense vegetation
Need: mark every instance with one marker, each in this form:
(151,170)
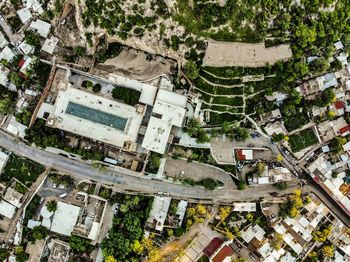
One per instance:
(7,100)
(44,136)
(126,95)
(125,238)
(22,169)
(207,183)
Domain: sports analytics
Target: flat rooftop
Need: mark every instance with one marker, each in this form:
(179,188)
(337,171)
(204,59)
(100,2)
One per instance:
(3,159)
(95,117)
(170,108)
(158,213)
(65,218)
(157,135)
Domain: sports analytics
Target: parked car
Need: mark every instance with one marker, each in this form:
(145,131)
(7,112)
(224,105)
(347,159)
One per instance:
(116,208)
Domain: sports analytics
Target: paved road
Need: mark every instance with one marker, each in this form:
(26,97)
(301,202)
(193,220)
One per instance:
(128,180)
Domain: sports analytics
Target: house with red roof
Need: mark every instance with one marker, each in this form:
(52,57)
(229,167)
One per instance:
(219,250)
(345,130)
(244,154)
(339,107)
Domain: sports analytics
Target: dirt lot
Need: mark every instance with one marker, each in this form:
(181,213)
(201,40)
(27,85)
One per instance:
(68,30)
(135,64)
(222,54)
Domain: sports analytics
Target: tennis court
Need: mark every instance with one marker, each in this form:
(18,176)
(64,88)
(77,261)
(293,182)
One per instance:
(96,116)
(302,140)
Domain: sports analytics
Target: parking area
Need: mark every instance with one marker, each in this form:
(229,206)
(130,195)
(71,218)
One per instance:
(50,189)
(181,169)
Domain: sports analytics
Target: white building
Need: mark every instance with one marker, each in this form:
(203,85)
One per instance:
(181,211)
(41,27)
(65,218)
(169,110)
(24,14)
(34,5)
(253,232)
(158,214)
(244,207)
(6,209)
(96,117)
(25,48)
(3,41)
(338,45)
(3,160)
(13,197)
(4,72)
(7,54)
(50,45)
(15,128)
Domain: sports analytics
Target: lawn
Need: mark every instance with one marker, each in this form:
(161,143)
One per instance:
(218,119)
(23,169)
(230,101)
(220,81)
(225,108)
(237,90)
(218,90)
(204,96)
(302,140)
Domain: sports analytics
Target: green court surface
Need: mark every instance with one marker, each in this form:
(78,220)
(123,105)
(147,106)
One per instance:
(96,116)
(302,140)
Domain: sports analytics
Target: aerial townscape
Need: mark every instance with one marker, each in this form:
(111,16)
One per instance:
(174,130)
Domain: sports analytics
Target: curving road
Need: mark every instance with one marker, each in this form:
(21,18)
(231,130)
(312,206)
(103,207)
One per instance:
(127,180)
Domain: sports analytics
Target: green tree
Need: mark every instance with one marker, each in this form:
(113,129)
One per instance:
(337,143)
(110,259)
(241,185)
(305,35)
(277,241)
(32,38)
(4,253)
(79,244)
(39,232)
(97,88)
(51,205)
(240,134)
(328,251)
(194,129)
(320,65)
(6,105)
(281,185)
(322,235)
(22,257)
(191,70)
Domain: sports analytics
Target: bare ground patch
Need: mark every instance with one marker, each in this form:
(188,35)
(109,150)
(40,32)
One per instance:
(221,54)
(138,65)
